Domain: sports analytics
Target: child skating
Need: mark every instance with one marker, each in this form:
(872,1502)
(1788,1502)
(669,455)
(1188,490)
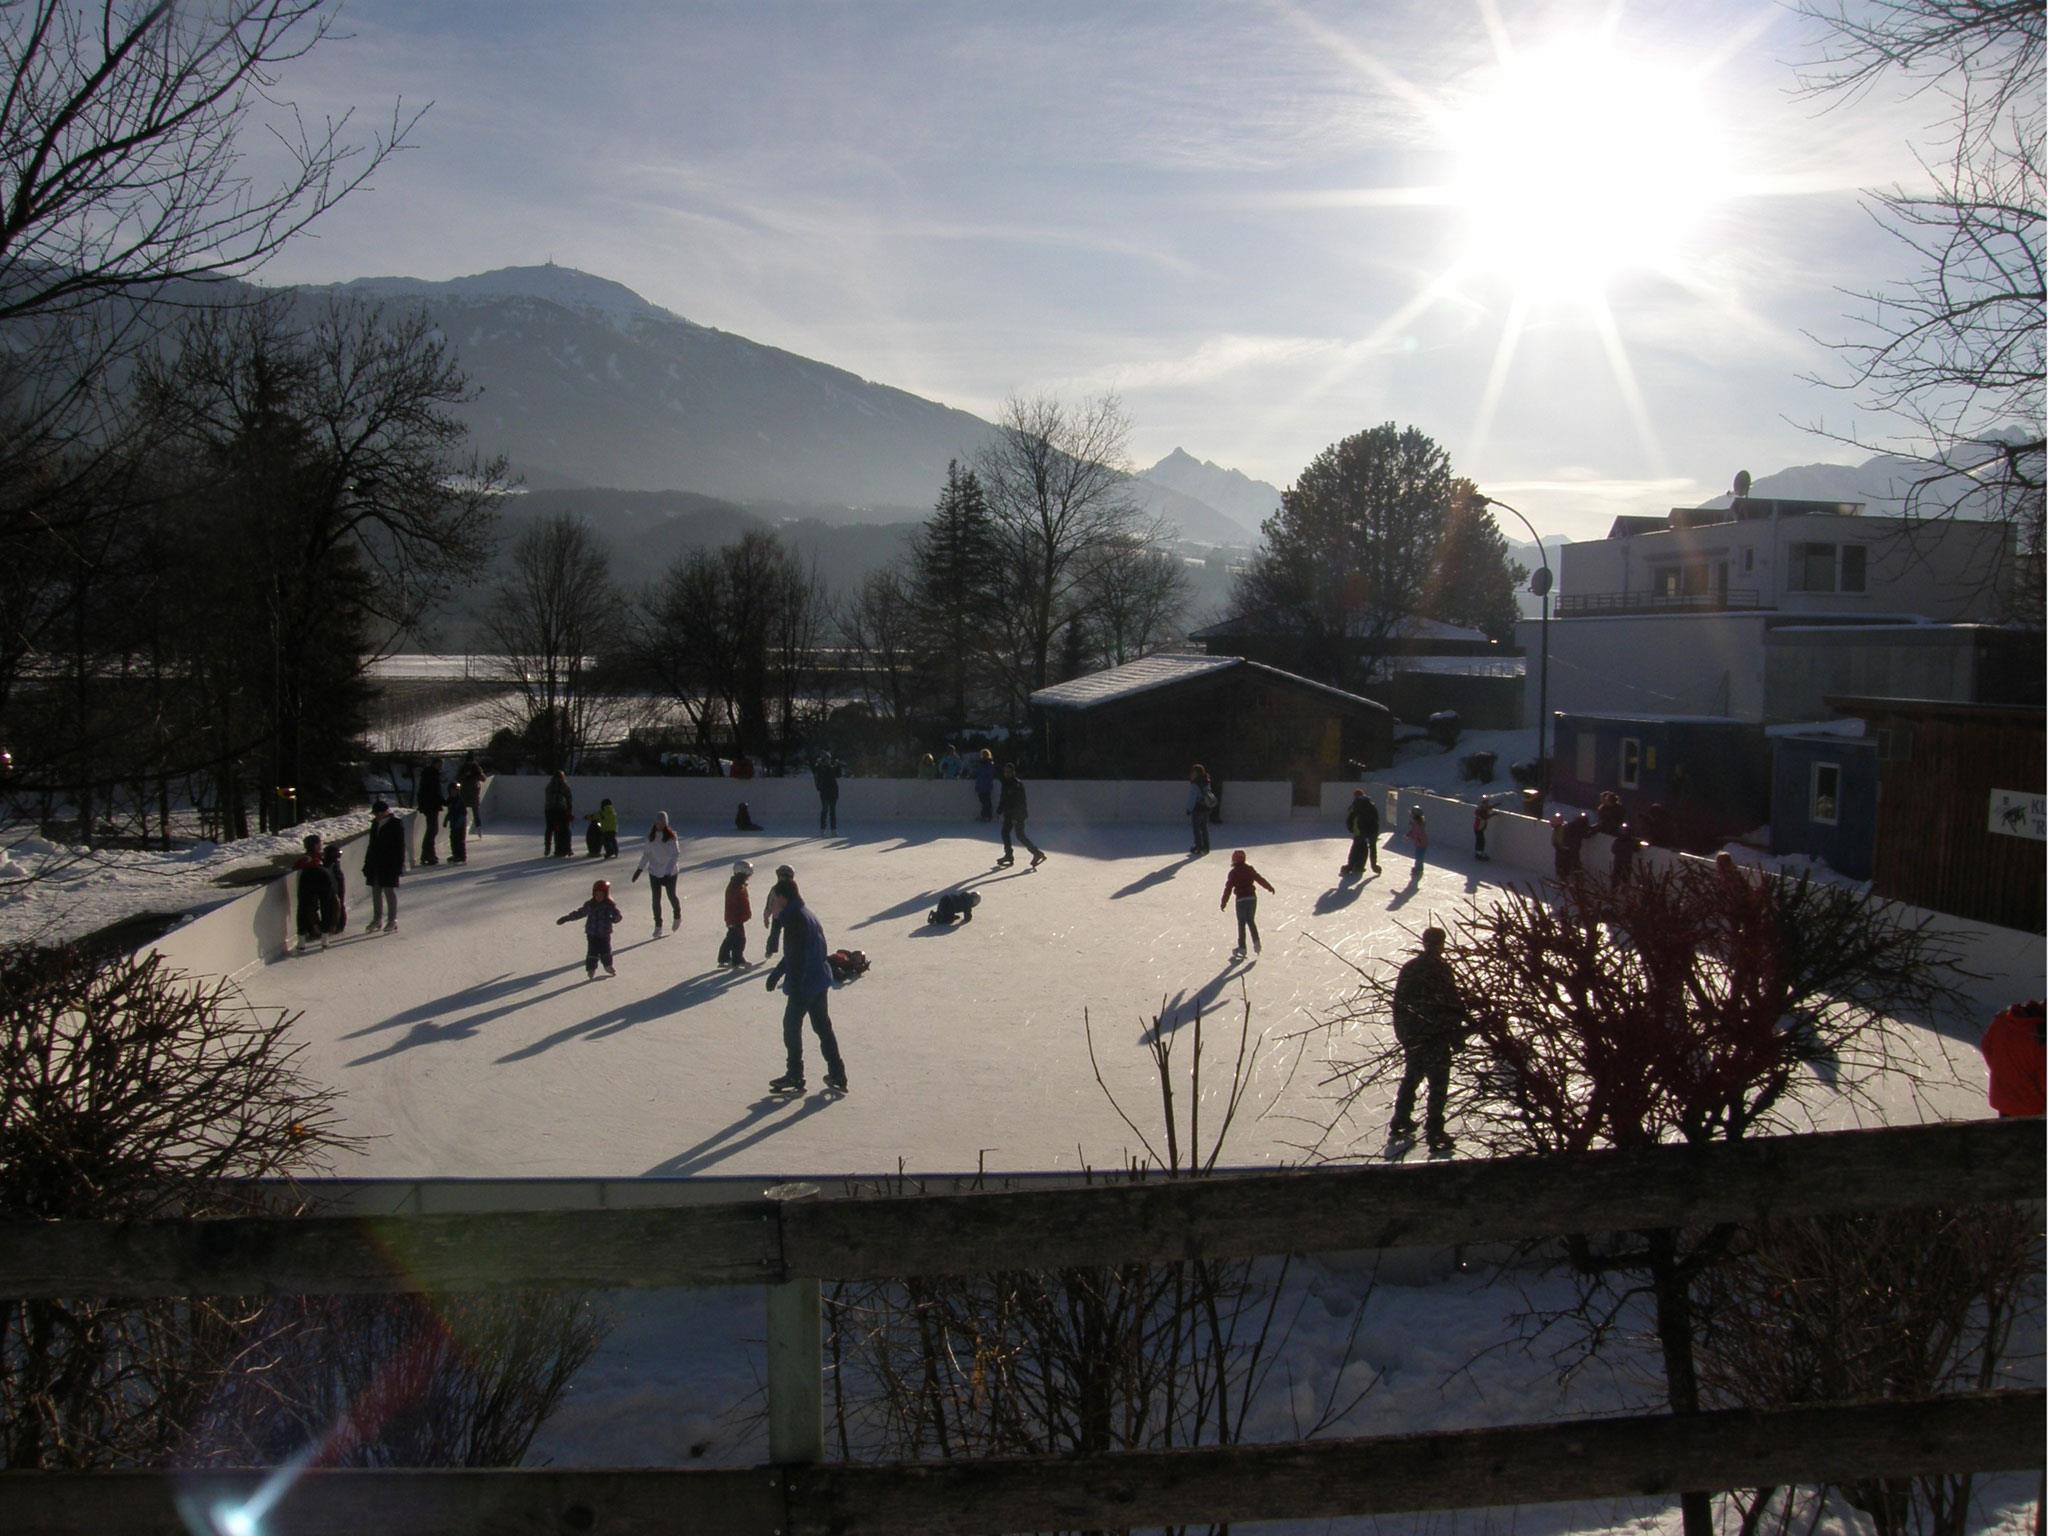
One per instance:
(738,909)
(600,915)
(1418,837)
(1241,882)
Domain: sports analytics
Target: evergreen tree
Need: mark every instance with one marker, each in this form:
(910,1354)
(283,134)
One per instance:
(956,580)
(1474,581)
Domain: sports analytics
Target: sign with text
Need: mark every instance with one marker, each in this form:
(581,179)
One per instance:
(2015,813)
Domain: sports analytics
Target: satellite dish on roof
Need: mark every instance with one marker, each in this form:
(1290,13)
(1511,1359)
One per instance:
(1742,482)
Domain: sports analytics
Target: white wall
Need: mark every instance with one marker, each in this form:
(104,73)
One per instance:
(791,804)
(1652,664)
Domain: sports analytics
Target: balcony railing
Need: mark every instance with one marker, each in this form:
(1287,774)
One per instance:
(1721,600)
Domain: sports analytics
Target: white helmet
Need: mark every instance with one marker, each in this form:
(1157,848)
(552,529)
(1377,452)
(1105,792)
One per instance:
(742,867)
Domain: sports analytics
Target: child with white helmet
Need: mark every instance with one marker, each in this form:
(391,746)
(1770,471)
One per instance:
(738,909)
(600,915)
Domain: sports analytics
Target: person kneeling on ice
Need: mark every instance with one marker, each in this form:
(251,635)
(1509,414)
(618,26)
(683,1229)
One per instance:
(955,907)
(805,974)
(738,908)
(1242,882)
(600,916)
(1429,1021)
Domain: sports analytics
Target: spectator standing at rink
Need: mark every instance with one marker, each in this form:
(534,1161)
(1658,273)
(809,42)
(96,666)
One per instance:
(558,806)
(1480,817)
(458,829)
(985,783)
(927,768)
(825,774)
(470,778)
(2013,1050)
(383,864)
(1241,883)
(600,916)
(949,764)
(742,765)
(660,860)
(432,800)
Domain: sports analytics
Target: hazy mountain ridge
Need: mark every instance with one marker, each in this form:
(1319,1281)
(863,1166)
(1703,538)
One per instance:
(1243,500)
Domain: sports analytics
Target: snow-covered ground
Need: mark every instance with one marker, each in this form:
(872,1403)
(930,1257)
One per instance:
(51,893)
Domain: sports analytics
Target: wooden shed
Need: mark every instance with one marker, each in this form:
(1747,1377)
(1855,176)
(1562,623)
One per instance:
(1962,818)
(1154,718)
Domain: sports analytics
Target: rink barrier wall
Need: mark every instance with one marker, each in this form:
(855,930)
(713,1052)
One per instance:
(791,804)
(259,925)
(789,1240)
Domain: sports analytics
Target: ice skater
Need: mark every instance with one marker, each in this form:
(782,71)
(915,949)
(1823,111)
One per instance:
(600,916)
(1429,1021)
(1014,807)
(1362,821)
(659,859)
(383,864)
(1201,802)
(458,829)
(738,909)
(805,975)
(337,916)
(315,895)
(608,828)
(1480,817)
(785,878)
(1241,882)
(1418,837)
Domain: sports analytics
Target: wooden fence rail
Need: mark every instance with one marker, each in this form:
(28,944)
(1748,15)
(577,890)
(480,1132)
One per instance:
(768,1242)
(1590,1459)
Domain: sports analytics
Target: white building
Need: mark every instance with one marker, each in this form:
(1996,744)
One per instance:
(1670,616)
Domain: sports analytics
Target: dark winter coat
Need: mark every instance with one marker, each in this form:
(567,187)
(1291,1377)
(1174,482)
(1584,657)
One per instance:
(471,777)
(1013,804)
(1363,819)
(315,894)
(1427,1009)
(600,916)
(384,852)
(826,776)
(806,968)
(559,804)
(431,797)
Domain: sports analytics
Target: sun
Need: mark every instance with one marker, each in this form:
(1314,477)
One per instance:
(1576,164)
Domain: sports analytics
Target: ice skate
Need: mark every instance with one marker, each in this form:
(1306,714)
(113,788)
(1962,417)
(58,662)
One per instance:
(836,1081)
(789,1082)
(1238,953)
(1037,859)
(1005,861)
(611,970)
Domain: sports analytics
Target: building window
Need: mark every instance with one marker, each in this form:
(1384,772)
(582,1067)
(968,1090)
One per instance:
(1853,567)
(1811,568)
(1631,762)
(1664,581)
(1824,803)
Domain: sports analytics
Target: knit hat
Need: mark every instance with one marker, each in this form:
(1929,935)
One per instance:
(378,807)
(784,872)
(1237,855)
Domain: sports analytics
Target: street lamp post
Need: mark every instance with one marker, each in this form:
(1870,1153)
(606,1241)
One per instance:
(1540,585)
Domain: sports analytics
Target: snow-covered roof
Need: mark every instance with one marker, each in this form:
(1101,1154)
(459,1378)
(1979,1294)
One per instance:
(1849,726)
(1461,666)
(1130,679)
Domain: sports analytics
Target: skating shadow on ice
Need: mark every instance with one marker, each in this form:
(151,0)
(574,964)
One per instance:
(719,1145)
(684,995)
(753,856)
(1158,876)
(429,1021)
(1338,897)
(1182,1007)
(922,902)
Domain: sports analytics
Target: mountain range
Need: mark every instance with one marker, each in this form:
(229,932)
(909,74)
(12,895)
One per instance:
(583,383)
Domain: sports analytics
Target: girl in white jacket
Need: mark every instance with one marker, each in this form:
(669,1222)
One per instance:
(659,860)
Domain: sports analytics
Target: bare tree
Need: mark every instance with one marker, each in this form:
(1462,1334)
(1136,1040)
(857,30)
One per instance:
(1135,595)
(546,621)
(1953,351)
(879,626)
(1057,481)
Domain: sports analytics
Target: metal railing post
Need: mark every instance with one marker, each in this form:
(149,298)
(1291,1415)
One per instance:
(796,1359)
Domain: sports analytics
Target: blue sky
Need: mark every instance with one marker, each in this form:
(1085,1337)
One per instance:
(1579,245)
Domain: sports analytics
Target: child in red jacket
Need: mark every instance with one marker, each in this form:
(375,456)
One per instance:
(738,909)
(1241,882)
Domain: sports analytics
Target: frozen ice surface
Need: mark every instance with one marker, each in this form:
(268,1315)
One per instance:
(469,1044)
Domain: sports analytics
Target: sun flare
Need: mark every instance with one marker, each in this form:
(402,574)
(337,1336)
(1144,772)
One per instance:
(1576,163)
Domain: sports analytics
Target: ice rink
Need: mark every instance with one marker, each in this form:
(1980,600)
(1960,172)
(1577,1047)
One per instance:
(469,1044)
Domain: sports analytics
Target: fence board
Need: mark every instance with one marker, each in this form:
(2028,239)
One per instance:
(1437,1204)
(1597,1459)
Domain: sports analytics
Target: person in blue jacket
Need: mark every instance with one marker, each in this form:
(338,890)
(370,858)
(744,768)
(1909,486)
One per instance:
(805,975)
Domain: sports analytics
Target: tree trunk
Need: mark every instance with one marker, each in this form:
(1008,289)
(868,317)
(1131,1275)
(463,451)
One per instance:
(1681,1376)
